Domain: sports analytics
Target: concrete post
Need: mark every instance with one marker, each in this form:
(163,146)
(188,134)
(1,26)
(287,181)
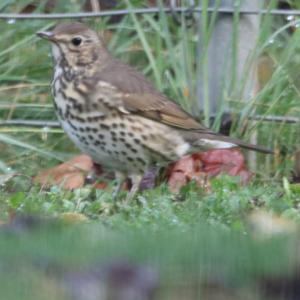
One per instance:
(226,72)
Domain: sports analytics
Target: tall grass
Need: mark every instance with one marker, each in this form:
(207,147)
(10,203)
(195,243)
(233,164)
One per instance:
(166,52)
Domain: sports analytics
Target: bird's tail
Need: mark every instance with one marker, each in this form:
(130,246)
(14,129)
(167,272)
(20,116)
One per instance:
(217,141)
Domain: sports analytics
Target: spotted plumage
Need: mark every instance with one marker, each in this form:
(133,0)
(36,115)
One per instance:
(114,114)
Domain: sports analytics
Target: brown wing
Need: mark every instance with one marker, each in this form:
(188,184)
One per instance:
(159,108)
(137,95)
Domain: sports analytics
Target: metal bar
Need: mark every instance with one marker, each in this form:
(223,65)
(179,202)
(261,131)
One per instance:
(30,123)
(56,124)
(279,119)
(145,11)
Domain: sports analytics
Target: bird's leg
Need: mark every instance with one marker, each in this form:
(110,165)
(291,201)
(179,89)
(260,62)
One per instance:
(120,178)
(135,180)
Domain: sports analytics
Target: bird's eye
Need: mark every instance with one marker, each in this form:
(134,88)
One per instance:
(76,41)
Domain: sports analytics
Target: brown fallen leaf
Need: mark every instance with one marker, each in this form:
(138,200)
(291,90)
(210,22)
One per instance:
(183,171)
(228,161)
(70,175)
(200,166)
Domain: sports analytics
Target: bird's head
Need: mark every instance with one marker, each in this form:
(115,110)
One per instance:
(75,43)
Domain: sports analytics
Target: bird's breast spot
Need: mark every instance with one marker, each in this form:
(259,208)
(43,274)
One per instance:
(182,149)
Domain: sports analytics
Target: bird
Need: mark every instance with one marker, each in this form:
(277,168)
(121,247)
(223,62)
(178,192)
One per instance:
(113,113)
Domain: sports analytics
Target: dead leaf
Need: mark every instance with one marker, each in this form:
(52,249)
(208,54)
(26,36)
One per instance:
(227,161)
(69,175)
(200,166)
(100,185)
(183,171)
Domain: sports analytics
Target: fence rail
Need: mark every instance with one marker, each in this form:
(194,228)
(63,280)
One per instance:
(56,124)
(149,10)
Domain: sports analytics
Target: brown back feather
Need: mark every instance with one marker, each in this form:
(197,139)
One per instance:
(140,97)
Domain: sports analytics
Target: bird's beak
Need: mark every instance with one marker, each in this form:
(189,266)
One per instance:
(48,35)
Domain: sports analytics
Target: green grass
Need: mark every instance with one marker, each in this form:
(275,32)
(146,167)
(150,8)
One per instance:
(228,205)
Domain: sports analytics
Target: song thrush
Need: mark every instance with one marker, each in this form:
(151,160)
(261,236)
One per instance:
(114,114)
